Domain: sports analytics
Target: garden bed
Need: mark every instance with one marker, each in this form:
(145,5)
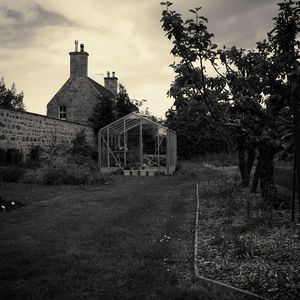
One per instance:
(237,247)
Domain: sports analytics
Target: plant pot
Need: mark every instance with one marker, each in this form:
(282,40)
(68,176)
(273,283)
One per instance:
(143,172)
(134,172)
(126,172)
(151,172)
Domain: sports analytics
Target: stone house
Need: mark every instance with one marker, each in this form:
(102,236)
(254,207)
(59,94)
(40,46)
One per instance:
(77,98)
(67,113)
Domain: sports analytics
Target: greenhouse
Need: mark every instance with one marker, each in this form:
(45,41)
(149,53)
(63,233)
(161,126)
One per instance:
(136,145)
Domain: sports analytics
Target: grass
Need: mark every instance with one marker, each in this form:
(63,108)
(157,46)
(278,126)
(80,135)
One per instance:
(132,239)
(283,170)
(218,159)
(283,175)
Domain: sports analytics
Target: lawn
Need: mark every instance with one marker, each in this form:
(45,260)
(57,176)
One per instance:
(132,238)
(283,175)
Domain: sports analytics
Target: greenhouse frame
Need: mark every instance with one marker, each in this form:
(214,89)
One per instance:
(138,145)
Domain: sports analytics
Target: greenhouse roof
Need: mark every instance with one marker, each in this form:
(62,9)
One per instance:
(128,122)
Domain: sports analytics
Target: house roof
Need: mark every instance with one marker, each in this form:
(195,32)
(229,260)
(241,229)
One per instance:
(101,89)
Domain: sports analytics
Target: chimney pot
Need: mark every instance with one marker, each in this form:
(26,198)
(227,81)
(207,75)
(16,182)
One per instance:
(78,62)
(111,83)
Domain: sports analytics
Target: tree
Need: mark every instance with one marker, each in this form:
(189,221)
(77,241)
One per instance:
(255,83)
(287,52)
(80,146)
(9,98)
(108,109)
(103,113)
(123,105)
(197,132)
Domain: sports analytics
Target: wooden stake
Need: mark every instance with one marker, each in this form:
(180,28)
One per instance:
(141,143)
(125,143)
(108,161)
(294,188)
(196,270)
(99,150)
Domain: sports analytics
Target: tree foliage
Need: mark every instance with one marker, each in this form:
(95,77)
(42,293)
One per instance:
(197,132)
(80,146)
(249,96)
(9,97)
(123,104)
(108,109)
(103,113)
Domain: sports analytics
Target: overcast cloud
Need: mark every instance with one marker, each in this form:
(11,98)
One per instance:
(121,36)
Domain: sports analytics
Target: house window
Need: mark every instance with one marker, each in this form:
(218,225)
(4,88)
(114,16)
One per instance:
(63,112)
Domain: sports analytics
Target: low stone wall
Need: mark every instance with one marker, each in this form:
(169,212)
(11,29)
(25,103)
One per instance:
(19,131)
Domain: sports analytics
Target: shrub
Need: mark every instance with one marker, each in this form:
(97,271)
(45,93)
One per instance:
(33,176)
(80,145)
(62,164)
(35,157)
(35,152)
(68,169)
(69,173)
(12,173)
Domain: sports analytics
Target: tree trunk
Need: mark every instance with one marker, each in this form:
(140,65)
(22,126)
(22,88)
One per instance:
(250,160)
(268,189)
(267,186)
(265,174)
(243,162)
(257,175)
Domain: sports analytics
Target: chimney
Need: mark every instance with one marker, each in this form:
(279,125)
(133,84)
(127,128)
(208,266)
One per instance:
(111,83)
(78,62)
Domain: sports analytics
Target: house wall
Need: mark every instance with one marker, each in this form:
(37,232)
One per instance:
(22,130)
(79,97)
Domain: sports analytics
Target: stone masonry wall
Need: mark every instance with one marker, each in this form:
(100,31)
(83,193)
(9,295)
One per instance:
(79,97)
(22,130)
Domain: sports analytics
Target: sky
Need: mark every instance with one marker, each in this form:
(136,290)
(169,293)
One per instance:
(124,36)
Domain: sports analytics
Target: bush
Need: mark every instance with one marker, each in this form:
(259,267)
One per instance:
(33,176)
(35,157)
(67,174)
(80,145)
(35,152)
(12,173)
(68,169)
(60,164)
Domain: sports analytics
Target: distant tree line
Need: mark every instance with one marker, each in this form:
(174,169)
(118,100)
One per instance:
(9,97)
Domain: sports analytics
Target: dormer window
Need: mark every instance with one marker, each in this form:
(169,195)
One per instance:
(62,114)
